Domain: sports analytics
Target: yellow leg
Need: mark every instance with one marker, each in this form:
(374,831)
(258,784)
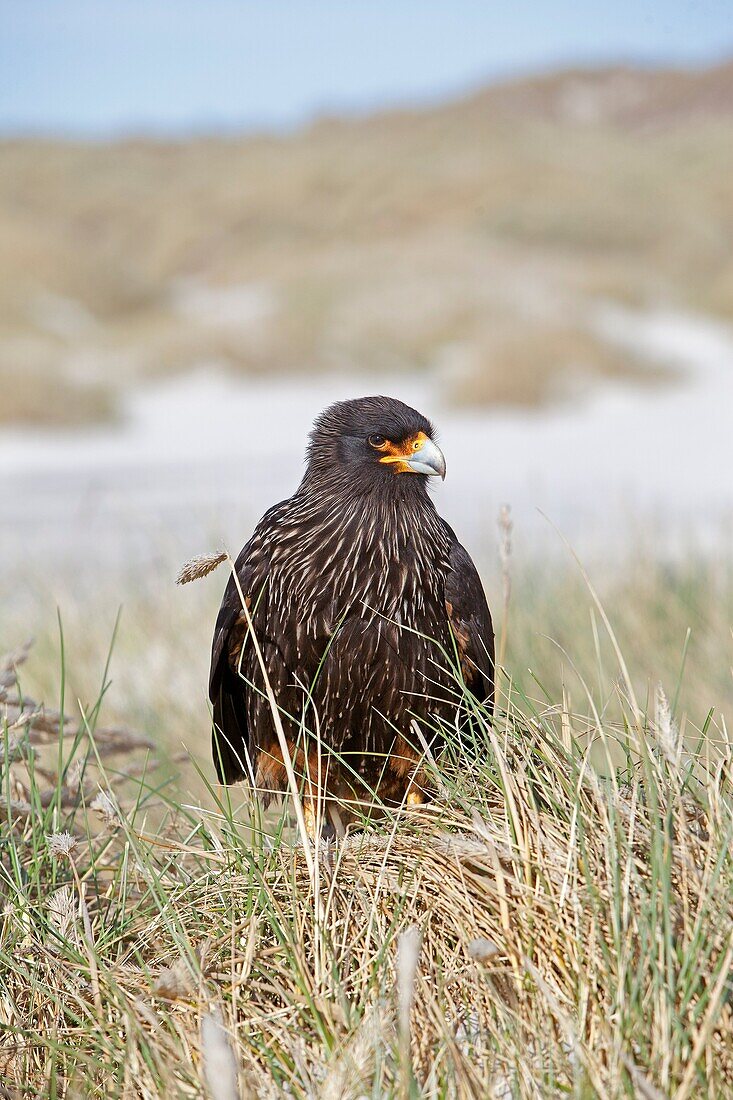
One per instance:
(309,814)
(415,797)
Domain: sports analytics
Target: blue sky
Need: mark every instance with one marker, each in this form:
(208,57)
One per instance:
(107,66)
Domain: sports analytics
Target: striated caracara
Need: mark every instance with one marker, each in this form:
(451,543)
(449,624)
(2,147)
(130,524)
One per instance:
(362,603)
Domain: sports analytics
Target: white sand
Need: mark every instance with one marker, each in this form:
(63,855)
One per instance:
(197,459)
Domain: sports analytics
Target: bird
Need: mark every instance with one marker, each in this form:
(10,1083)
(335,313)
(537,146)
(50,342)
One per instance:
(344,621)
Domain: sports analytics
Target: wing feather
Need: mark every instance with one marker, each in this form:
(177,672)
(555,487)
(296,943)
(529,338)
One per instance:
(470,619)
(231,740)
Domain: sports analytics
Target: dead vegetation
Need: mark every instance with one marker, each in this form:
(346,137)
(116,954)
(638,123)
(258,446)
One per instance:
(547,926)
(482,232)
(34,733)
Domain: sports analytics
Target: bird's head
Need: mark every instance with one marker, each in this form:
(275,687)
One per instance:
(374,438)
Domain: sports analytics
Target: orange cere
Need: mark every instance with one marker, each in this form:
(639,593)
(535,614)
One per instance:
(398,453)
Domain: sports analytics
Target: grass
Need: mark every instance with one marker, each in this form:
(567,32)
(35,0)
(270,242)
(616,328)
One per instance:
(456,239)
(553,637)
(46,399)
(557,922)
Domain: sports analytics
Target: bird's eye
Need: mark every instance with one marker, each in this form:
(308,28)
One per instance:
(377,440)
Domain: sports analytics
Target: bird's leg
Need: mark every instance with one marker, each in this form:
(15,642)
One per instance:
(417,786)
(314,797)
(311,819)
(327,832)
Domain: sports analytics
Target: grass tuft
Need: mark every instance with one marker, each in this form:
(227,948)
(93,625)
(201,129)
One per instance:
(559,920)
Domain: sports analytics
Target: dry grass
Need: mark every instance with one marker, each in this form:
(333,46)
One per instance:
(46,398)
(558,921)
(392,243)
(552,639)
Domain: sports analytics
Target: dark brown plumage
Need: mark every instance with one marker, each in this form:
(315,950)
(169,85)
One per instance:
(360,596)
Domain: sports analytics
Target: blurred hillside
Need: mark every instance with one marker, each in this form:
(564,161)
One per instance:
(474,240)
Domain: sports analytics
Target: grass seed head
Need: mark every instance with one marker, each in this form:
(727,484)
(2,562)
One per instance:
(61,845)
(408,951)
(104,805)
(506,525)
(63,914)
(74,776)
(173,982)
(199,567)
(482,948)
(219,1062)
(668,735)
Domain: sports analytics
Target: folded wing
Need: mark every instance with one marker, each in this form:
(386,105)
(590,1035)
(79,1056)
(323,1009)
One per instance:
(470,619)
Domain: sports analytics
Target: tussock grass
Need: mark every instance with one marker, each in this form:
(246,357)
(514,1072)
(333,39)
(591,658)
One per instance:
(458,239)
(44,397)
(551,636)
(558,921)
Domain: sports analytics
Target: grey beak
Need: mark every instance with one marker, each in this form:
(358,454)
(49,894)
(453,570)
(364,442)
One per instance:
(428,460)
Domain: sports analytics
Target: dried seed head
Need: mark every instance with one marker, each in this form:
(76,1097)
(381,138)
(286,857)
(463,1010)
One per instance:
(63,914)
(74,774)
(505,548)
(408,951)
(104,805)
(350,1074)
(9,664)
(219,1062)
(173,982)
(14,747)
(61,845)
(668,735)
(199,567)
(482,949)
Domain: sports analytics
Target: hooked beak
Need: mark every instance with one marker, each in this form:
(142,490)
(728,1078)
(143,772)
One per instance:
(428,459)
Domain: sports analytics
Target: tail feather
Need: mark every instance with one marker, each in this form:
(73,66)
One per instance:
(229,736)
